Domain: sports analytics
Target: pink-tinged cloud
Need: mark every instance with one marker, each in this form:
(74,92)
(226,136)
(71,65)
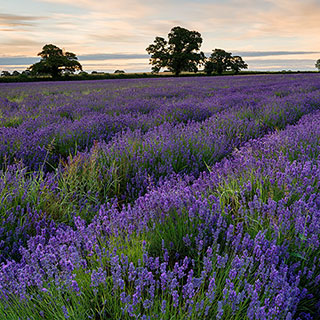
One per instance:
(119,9)
(13,20)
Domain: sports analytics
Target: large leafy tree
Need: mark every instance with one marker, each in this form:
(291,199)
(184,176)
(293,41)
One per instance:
(318,64)
(54,61)
(180,53)
(221,61)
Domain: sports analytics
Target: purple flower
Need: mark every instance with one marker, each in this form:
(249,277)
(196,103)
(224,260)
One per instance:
(163,306)
(65,312)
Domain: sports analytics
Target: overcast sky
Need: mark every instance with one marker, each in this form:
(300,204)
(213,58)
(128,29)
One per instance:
(108,35)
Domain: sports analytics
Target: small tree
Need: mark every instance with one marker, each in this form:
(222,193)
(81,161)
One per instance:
(236,64)
(54,61)
(26,72)
(180,53)
(119,71)
(16,73)
(221,61)
(318,64)
(5,73)
(218,62)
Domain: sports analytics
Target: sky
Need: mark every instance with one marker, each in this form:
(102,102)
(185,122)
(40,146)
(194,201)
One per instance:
(113,34)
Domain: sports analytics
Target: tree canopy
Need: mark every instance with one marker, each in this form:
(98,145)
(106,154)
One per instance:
(5,73)
(221,61)
(180,53)
(236,64)
(318,64)
(218,62)
(54,61)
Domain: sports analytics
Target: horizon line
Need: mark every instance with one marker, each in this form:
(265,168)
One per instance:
(22,60)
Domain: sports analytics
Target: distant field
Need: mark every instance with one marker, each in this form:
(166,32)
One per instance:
(164,198)
(136,75)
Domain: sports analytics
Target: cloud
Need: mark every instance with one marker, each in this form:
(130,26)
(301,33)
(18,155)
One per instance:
(120,9)
(20,41)
(271,53)
(12,20)
(291,18)
(116,36)
(112,56)
(281,64)
(257,54)
(18,61)
(283,61)
(276,23)
(256,28)
(15,43)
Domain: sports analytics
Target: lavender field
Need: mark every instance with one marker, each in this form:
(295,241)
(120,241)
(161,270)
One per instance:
(171,198)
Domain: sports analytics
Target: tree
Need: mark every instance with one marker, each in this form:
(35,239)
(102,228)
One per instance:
(218,62)
(26,72)
(318,64)
(180,53)
(54,61)
(237,64)
(16,73)
(119,71)
(5,74)
(221,61)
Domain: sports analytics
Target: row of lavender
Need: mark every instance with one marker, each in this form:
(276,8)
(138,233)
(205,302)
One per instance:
(240,242)
(134,161)
(43,123)
(73,115)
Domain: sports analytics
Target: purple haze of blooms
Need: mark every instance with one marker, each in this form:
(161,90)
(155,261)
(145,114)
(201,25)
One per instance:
(46,122)
(275,230)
